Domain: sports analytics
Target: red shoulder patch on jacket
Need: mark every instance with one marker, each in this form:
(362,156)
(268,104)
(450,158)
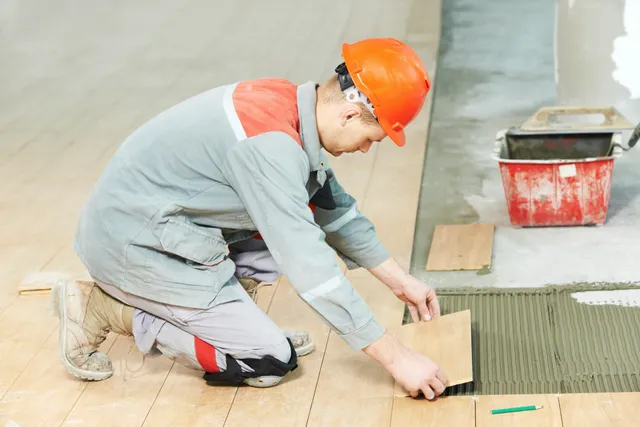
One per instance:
(268,105)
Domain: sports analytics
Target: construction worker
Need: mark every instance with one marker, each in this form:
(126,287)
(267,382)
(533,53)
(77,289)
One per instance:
(228,190)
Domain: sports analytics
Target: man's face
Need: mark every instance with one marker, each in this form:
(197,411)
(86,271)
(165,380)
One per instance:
(351,134)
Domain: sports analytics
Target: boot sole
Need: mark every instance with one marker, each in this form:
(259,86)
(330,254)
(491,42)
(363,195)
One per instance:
(305,349)
(58,292)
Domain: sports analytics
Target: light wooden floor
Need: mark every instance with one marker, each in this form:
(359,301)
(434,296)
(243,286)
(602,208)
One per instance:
(76,78)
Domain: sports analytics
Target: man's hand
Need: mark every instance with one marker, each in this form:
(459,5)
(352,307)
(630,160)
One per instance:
(415,372)
(419,297)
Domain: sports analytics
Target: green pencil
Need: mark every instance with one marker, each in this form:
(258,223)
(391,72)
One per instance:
(516,409)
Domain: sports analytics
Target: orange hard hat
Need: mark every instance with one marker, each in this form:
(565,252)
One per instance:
(389,78)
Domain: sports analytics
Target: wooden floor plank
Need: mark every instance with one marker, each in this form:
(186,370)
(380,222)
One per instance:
(600,409)
(461,247)
(287,404)
(392,196)
(186,400)
(354,172)
(386,307)
(448,411)
(345,369)
(77,109)
(393,189)
(126,398)
(23,332)
(353,389)
(353,411)
(352,378)
(548,416)
(445,340)
(45,392)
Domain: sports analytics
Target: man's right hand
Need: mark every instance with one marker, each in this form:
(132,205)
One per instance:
(415,372)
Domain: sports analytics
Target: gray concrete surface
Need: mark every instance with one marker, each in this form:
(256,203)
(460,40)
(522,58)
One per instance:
(496,68)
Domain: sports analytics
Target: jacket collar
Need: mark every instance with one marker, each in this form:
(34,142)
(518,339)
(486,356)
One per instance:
(309,130)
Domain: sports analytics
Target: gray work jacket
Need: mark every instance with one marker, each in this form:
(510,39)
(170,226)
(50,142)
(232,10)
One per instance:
(191,181)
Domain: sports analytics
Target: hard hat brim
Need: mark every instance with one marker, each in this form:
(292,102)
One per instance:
(398,137)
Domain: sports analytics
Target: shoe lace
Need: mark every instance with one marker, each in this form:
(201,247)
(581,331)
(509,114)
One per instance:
(253,286)
(124,365)
(254,296)
(102,336)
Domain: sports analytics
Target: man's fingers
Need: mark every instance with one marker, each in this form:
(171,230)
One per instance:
(434,305)
(414,313)
(414,393)
(437,386)
(424,311)
(428,393)
(442,377)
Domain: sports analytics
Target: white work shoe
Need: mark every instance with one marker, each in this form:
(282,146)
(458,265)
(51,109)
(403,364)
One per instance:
(300,339)
(301,342)
(87,314)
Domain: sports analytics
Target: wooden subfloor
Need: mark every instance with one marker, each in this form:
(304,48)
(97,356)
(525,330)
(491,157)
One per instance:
(76,78)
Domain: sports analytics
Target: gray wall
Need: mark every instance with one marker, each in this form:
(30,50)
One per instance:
(597,54)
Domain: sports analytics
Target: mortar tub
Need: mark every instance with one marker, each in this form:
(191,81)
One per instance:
(556,179)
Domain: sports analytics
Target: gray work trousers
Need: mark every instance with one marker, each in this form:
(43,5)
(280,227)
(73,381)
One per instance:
(201,339)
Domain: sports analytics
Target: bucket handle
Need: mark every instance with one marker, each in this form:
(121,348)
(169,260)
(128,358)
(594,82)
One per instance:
(540,120)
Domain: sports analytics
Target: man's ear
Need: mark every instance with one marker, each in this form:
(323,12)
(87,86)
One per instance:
(350,113)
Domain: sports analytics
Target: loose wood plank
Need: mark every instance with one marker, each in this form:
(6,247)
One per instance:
(461,247)
(445,340)
(41,282)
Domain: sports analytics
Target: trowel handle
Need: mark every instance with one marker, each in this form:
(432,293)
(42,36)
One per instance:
(635,136)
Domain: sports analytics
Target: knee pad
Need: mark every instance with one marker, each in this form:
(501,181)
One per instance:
(267,366)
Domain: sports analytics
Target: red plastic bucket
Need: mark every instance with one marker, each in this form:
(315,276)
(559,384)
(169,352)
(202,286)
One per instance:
(557,179)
